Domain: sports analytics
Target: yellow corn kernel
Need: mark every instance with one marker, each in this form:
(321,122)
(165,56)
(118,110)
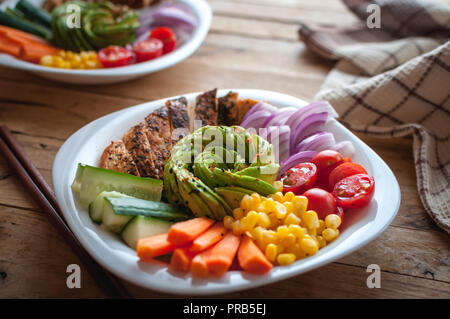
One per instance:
(289,207)
(322,242)
(257,233)
(330,234)
(278,197)
(278,186)
(263,220)
(296,250)
(252,218)
(292,219)
(285,259)
(227,221)
(62,54)
(280,249)
(256,199)
(332,221)
(237,228)
(269,205)
(296,230)
(282,232)
(238,213)
(289,196)
(246,202)
(280,210)
(274,221)
(289,240)
(310,219)
(269,237)
(300,204)
(321,227)
(309,246)
(271,252)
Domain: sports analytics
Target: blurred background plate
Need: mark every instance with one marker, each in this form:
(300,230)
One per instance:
(200,8)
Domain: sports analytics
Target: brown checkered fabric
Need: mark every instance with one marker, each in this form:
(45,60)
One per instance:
(395,81)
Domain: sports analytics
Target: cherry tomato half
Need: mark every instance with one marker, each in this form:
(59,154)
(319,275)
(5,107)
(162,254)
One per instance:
(344,170)
(167,37)
(114,56)
(326,161)
(321,201)
(148,49)
(354,191)
(299,178)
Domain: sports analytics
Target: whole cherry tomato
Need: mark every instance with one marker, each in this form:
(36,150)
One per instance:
(321,201)
(344,170)
(326,161)
(354,191)
(167,37)
(299,178)
(114,56)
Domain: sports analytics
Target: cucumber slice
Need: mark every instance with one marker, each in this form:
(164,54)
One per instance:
(91,181)
(141,227)
(112,221)
(96,207)
(131,206)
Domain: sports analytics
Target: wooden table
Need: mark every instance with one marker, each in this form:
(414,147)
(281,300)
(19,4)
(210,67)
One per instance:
(251,44)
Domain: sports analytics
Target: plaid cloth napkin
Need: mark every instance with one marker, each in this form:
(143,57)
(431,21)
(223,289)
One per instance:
(395,81)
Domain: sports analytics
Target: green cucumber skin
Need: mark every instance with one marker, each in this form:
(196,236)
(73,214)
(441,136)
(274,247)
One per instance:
(140,227)
(134,206)
(91,181)
(113,221)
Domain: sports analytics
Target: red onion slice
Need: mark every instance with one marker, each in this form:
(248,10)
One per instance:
(279,137)
(255,120)
(304,112)
(312,124)
(279,117)
(260,106)
(316,142)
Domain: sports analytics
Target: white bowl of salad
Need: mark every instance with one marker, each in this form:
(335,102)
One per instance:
(105,43)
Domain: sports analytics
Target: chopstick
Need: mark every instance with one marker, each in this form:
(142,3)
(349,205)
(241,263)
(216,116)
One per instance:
(45,198)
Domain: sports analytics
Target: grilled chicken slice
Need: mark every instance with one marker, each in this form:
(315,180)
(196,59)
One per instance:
(206,108)
(159,137)
(179,118)
(138,145)
(117,158)
(243,106)
(228,111)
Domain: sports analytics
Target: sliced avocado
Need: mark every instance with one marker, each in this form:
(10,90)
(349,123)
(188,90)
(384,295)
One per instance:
(249,182)
(233,195)
(267,173)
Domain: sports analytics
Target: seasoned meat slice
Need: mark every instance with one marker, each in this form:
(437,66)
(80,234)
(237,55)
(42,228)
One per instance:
(206,108)
(243,106)
(159,137)
(138,145)
(179,118)
(117,158)
(228,111)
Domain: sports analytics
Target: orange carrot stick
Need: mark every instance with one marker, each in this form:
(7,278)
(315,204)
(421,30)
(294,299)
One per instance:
(183,233)
(181,259)
(199,267)
(251,258)
(222,254)
(208,238)
(153,246)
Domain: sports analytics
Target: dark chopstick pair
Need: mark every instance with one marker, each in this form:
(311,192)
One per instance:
(44,197)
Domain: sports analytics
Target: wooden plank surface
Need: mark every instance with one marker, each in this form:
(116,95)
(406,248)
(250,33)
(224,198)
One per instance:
(251,44)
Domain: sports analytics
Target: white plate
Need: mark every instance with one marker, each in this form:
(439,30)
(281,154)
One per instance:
(102,76)
(86,146)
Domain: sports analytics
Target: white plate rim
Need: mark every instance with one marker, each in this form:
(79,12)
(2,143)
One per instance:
(385,213)
(204,15)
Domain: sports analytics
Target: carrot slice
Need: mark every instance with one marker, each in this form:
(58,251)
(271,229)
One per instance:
(153,246)
(222,254)
(251,258)
(183,233)
(208,238)
(181,259)
(199,267)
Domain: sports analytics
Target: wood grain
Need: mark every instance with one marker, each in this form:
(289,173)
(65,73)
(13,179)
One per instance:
(251,44)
